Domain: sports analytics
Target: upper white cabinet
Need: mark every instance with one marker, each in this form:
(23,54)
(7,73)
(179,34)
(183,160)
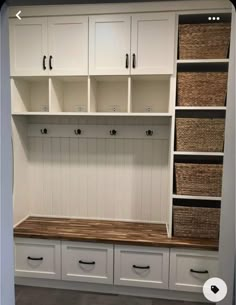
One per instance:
(152,43)
(49,46)
(137,44)
(28,46)
(68,45)
(109,45)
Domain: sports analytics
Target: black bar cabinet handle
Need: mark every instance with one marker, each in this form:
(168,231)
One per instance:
(44,62)
(50,62)
(35,258)
(198,271)
(127,61)
(134,61)
(141,267)
(87,263)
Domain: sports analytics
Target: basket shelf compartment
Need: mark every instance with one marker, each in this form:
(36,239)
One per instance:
(198,179)
(202,89)
(196,222)
(204,41)
(200,134)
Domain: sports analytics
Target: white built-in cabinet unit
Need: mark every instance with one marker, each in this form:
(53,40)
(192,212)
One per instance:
(93,97)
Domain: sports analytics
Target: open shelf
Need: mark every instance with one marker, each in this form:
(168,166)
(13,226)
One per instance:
(200,108)
(196,197)
(150,94)
(193,153)
(69,94)
(109,94)
(202,61)
(30,94)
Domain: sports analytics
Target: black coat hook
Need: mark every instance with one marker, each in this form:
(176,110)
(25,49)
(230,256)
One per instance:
(149,132)
(44,131)
(77,131)
(113,132)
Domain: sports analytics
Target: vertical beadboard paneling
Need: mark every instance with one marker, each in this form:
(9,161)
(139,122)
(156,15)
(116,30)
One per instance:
(99,178)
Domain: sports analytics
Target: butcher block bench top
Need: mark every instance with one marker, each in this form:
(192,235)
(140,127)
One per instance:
(105,231)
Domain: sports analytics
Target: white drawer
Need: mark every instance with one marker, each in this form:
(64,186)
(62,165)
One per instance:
(141,266)
(190,269)
(87,262)
(37,258)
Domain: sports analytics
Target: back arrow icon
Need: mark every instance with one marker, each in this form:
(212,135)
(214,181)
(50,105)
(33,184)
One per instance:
(18,15)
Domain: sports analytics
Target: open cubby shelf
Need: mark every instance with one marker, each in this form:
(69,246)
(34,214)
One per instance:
(98,95)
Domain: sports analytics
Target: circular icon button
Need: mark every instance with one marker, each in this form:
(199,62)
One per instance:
(215,289)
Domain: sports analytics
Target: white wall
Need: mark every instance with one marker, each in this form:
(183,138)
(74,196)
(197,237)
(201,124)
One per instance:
(6,232)
(227,227)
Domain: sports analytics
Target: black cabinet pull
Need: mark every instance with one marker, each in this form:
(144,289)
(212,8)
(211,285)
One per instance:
(44,131)
(127,61)
(141,267)
(113,132)
(134,61)
(149,132)
(77,131)
(87,263)
(35,258)
(50,62)
(197,271)
(44,62)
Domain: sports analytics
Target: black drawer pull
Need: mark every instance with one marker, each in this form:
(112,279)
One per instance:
(35,258)
(198,271)
(141,267)
(87,263)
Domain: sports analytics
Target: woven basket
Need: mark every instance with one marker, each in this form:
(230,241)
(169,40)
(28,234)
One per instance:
(198,179)
(204,41)
(196,222)
(202,88)
(203,135)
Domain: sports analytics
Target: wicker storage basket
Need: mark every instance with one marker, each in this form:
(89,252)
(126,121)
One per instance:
(203,135)
(204,41)
(202,88)
(196,222)
(198,179)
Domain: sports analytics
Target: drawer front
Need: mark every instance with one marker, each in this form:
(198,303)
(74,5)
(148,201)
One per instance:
(87,262)
(190,269)
(141,266)
(37,258)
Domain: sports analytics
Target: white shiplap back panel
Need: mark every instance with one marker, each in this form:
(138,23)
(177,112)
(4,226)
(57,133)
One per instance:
(105,178)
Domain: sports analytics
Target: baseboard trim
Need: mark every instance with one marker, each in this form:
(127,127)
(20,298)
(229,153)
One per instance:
(110,289)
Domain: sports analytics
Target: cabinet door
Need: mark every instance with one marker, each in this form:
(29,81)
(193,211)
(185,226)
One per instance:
(153,43)
(28,46)
(68,45)
(109,45)
(189,269)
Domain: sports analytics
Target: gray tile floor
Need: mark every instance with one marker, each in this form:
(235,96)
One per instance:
(45,296)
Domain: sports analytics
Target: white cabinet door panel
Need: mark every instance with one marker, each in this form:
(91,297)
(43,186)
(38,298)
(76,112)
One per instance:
(109,44)
(190,269)
(68,45)
(28,46)
(38,258)
(87,262)
(141,266)
(153,43)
